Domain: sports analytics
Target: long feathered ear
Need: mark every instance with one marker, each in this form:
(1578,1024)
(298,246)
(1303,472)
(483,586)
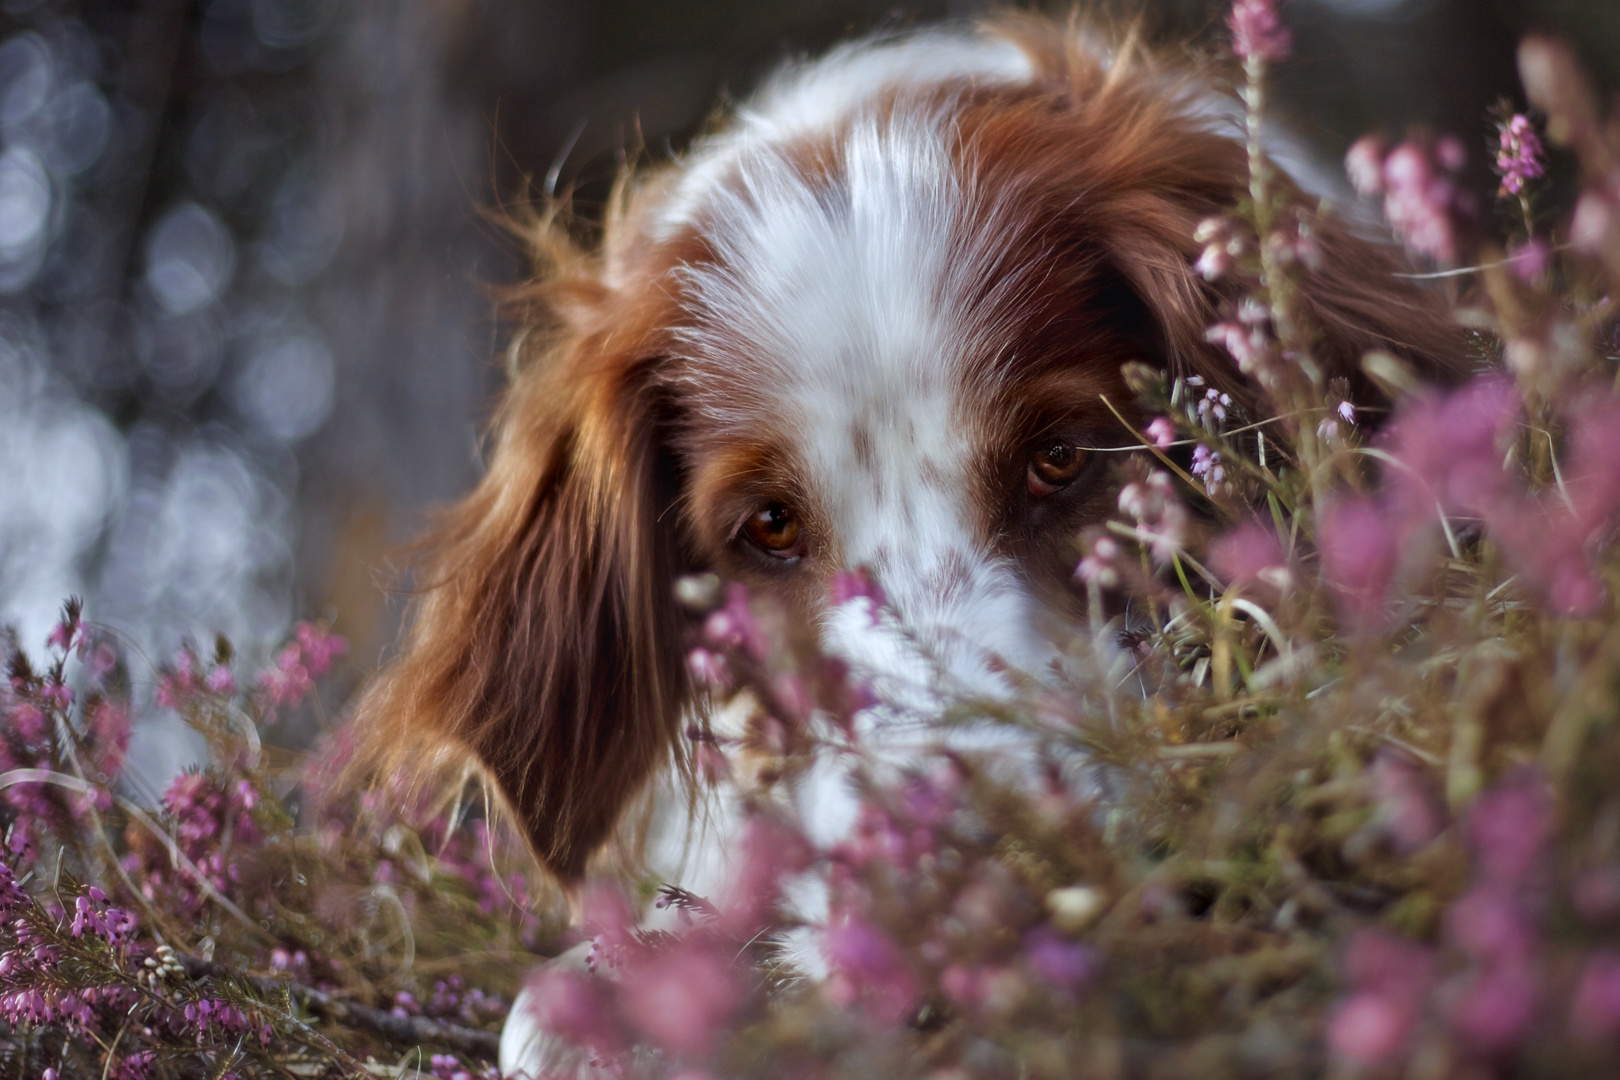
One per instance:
(1352,300)
(545,640)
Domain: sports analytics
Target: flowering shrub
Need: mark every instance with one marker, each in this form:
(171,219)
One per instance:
(250,921)
(1332,787)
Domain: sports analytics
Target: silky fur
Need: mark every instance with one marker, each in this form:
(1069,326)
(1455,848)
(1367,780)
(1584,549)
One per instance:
(868,295)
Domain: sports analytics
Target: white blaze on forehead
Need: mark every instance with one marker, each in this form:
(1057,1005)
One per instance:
(842,310)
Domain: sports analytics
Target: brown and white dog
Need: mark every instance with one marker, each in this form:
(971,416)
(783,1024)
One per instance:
(865,324)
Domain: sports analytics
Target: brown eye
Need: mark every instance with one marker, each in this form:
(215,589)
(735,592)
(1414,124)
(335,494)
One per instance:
(775,529)
(1053,466)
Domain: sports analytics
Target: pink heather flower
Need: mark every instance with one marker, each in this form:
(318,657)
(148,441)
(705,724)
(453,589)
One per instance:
(1100,567)
(1494,1014)
(1248,344)
(109,725)
(869,968)
(1419,203)
(1449,450)
(1364,164)
(1491,925)
(27,722)
(65,635)
(12,897)
(1529,261)
(1212,407)
(963,985)
(320,648)
(1360,548)
(1159,513)
(1368,1030)
(1258,35)
(1450,153)
(1410,814)
(770,851)
(1162,432)
(1206,463)
(57,695)
(1518,160)
(708,668)
(1595,1012)
(1221,248)
(733,626)
(1392,967)
(1066,966)
(1247,554)
(1595,894)
(1593,221)
(682,996)
(1214,262)
(1347,412)
(176,686)
(1510,827)
(221,681)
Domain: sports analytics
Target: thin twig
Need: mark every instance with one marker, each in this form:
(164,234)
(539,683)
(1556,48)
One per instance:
(399,1030)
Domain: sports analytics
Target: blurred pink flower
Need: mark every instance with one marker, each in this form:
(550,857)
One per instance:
(734,626)
(1066,966)
(1100,567)
(1410,813)
(1494,1014)
(1510,828)
(1161,432)
(708,668)
(1245,555)
(1368,1029)
(1450,152)
(1593,220)
(870,969)
(576,1008)
(1258,34)
(1390,966)
(1364,164)
(1492,925)
(1530,260)
(1360,550)
(682,995)
(1595,1012)
(1389,978)
(1419,203)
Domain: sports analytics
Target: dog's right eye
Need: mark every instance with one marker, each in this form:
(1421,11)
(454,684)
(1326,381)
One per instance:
(774,529)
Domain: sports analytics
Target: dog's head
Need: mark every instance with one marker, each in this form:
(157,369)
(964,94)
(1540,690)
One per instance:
(869,324)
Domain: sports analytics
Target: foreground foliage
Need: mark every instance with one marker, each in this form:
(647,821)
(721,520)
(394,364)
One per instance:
(1334,788)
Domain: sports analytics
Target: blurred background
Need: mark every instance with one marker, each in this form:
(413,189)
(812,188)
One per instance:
(246,264)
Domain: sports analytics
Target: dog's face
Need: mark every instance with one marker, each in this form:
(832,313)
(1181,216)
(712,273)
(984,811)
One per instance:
(898,362)
(877,324)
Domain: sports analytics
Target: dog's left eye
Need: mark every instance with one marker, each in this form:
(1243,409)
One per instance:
(774,529)
(1053,466)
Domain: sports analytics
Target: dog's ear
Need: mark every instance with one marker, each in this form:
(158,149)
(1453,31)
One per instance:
(1352,299)
(545,639)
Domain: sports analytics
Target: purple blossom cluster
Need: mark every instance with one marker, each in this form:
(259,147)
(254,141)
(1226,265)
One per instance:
(287,682)
(213,828)
(1482,992)
(1423,198)
(1447,455)
(1519,158)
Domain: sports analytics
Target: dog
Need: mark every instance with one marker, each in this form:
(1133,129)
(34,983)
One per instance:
(868,323)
